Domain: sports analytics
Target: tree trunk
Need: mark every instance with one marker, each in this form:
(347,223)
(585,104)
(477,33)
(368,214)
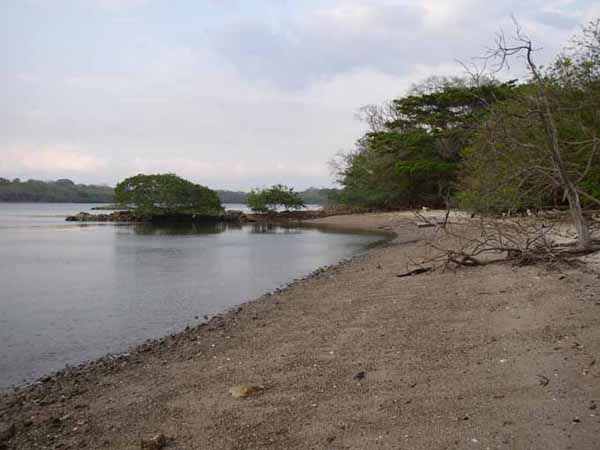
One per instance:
(584,237)
(583,232)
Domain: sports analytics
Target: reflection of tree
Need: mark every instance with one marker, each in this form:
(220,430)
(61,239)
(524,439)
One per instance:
(268,228)
(197,228)
(183,228)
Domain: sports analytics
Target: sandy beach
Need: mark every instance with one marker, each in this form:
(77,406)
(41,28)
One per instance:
(352,357)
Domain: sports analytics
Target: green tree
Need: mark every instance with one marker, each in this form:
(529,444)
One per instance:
(268,200)
(410,156)
(167,194)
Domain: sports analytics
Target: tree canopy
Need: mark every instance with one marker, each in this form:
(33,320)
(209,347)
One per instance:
(167,194)
(410,156)
(482,143)
(268,200)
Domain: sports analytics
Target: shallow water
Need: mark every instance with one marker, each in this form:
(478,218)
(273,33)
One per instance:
(71,292)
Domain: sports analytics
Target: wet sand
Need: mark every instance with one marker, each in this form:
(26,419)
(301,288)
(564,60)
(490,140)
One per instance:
(353,357)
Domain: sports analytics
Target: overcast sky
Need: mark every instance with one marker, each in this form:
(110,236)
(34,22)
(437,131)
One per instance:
(229,93)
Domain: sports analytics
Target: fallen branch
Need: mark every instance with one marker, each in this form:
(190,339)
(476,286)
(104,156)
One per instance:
(522,241)
(417,271)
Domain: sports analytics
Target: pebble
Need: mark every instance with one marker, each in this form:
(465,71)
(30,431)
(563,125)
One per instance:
(245,390)
(156,443)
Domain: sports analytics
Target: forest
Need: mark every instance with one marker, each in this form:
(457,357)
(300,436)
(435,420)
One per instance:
(484,143)
(59,191)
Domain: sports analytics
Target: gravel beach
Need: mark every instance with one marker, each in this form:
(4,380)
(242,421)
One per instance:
(351,357)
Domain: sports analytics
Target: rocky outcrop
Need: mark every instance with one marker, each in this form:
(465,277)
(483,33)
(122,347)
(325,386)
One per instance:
(116,216)
(128,216)
(231,216)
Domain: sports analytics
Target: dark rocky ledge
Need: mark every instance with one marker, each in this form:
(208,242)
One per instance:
(129,216)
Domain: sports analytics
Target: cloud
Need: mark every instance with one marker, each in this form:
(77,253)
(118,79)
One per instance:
(54,162)
(250,173)
(118,5)
(235,92)
(389,37)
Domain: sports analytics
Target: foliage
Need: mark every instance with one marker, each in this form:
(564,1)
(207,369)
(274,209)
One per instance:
(60,191)
(410,156)
(312,195)
(510,167)
(165,195)
(268,200)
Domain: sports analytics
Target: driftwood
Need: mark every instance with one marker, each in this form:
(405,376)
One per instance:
(521,241)
(417,271)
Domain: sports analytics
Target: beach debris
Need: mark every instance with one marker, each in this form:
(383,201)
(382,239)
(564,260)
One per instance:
(245,390)
(359,375)
(544,381)
(156,443)
(416,271)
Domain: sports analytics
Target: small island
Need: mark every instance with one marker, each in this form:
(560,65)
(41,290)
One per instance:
(162,198)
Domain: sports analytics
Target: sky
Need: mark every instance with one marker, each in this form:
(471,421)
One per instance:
(229,93)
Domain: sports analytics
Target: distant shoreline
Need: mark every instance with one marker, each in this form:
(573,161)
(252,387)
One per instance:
(34,202)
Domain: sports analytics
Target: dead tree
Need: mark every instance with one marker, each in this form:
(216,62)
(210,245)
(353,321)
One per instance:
(522,45)
(469,242)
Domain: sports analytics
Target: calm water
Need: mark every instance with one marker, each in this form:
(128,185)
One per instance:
(70,292)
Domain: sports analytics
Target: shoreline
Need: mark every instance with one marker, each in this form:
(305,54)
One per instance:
(154,343)
(83,406)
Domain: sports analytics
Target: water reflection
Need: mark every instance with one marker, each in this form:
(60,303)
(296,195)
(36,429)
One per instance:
(269,228)
(182,228)
(70,296)
(194,228)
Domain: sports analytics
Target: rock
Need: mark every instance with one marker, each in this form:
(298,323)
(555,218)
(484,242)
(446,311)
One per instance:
(234,216)
(156,443)
(359,375)
(7,432)
(117,216)
(245,390)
